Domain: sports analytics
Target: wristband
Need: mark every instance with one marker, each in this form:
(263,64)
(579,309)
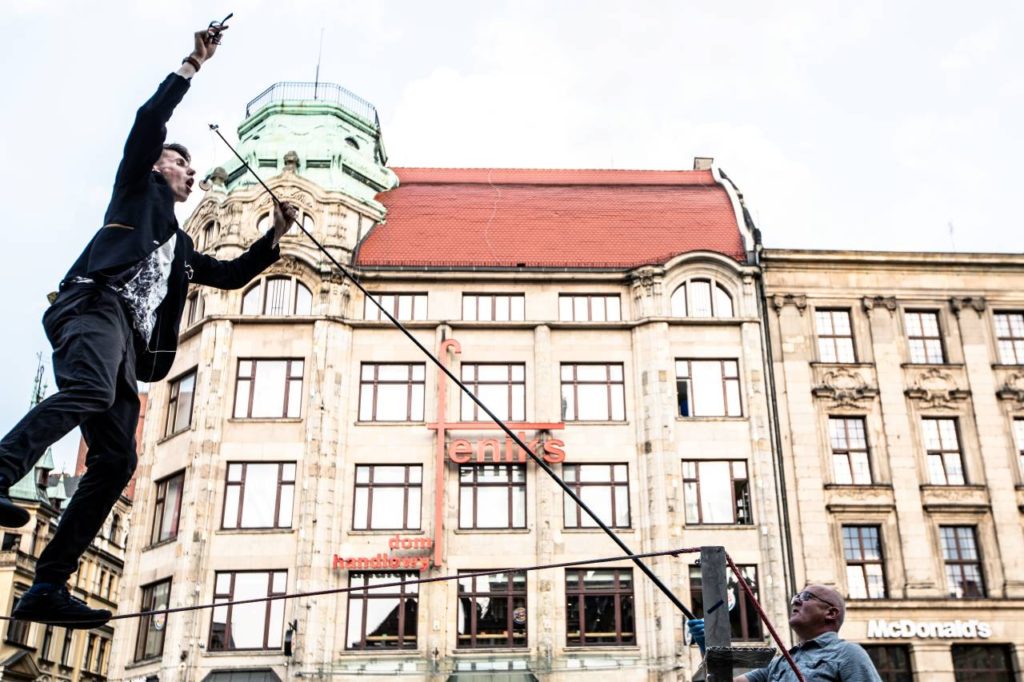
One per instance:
(191,60)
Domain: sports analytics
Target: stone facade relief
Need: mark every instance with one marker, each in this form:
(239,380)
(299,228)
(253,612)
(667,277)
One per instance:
(780,301)
(936,388)
(845,388)
(958,303)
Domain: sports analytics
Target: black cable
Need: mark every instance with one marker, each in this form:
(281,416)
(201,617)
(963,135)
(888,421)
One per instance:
(516,439)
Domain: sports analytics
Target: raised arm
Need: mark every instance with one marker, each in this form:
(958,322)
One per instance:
(146,138)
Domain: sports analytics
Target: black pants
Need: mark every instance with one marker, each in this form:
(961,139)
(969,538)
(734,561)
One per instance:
(94,363)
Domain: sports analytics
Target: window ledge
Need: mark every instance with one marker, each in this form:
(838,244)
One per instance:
(819,363)
(245,652)
(419,423)
(712,419)
(866,487)
(931,365)
(579,648)
(619,422)
(168,541)
(999,365)
(370,532)
(131,665)
(721,526)
(254,531)
(493,531)
(573,531)
(264,420)
(174,435)
(940,487)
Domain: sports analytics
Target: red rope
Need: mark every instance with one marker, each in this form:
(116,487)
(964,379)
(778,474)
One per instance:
(764,617)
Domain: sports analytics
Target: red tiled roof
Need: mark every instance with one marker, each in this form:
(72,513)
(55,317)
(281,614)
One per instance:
(500,217)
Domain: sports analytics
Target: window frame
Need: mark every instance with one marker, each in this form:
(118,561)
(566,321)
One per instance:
(511,596)
(1014,341)
(567,312)
(160,503)
(888,668)
(517,406)
(680,303)
(413,413)
(1018,439)
(173,396)
(262,300)
(960,563)
(290,378)
(612,484)
(833,339)
(516,311)
(195,308)
(415,299)
(617,592)
(609,383)
(279,487)
(746,613)
(698,502)
(924,338)
(861,533)
(268,613)
(844,448)
(942,453)
(729,384)
(972,674)
(366,592)
(511,486)
(148,602)
(17,631)
(407,486)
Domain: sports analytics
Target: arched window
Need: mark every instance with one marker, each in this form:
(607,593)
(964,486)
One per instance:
(701,298)
(205,237)
(280,295)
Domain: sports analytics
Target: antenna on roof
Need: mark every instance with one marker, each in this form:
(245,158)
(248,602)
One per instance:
(316,80)
(952,240)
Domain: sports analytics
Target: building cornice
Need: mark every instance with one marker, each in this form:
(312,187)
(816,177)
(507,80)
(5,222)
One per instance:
(812,259)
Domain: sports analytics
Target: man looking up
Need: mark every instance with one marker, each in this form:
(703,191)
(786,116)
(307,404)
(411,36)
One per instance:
(816,614)
(115,320)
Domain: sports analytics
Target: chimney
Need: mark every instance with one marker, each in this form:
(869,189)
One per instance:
(703,162)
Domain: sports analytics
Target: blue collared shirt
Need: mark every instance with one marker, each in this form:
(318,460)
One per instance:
(826,658)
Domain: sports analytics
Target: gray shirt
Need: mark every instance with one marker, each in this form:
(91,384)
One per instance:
(825,658)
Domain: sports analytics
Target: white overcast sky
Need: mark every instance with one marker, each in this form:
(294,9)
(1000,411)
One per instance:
(868,125)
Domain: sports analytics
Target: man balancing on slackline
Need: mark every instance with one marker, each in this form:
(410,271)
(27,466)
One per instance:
(116,320)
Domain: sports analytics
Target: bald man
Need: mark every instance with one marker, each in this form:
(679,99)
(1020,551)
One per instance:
(815,615)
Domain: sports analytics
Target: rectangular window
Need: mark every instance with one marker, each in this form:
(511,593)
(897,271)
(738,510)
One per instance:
(743,619)
(1010,338)
(924,337)
(865,572)
(382,618)
(179,404)
(502,388)
(599,607)
(258,625)
(402,307)
(90,646)
(964,579)
(65,649)
(150,641)
(593,393)
(835,336)
(195,304)
(494,307)
(708,388)
(982,663)
(269,389)
(604,488)
(892,661)
(388,497)
(391,392)
(492,496)
(167,510)
(589,308)
(942,444)
(17,630)
(259,495)
(44,648)
(849,443)
(716,491)
(492,611)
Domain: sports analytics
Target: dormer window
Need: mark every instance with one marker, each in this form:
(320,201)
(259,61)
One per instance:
(277,296)
(701,298)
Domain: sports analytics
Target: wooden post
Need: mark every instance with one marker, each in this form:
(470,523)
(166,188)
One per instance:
(717,629)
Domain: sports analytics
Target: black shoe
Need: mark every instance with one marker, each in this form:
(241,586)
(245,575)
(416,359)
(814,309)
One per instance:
(11,515)
(58,607)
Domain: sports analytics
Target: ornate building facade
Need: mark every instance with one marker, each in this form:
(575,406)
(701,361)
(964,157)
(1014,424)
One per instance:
(303,444)
(900,380)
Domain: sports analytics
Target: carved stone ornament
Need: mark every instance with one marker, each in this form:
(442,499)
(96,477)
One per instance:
(872,302)
(958,303)
(935,388)
(646,282)
(291,162)
(1013,389)
(779,301)
(845,387)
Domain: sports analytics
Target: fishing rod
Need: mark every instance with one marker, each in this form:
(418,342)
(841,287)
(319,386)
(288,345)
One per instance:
(501,424)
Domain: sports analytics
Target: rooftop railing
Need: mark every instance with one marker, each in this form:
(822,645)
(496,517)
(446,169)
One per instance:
(331,93)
